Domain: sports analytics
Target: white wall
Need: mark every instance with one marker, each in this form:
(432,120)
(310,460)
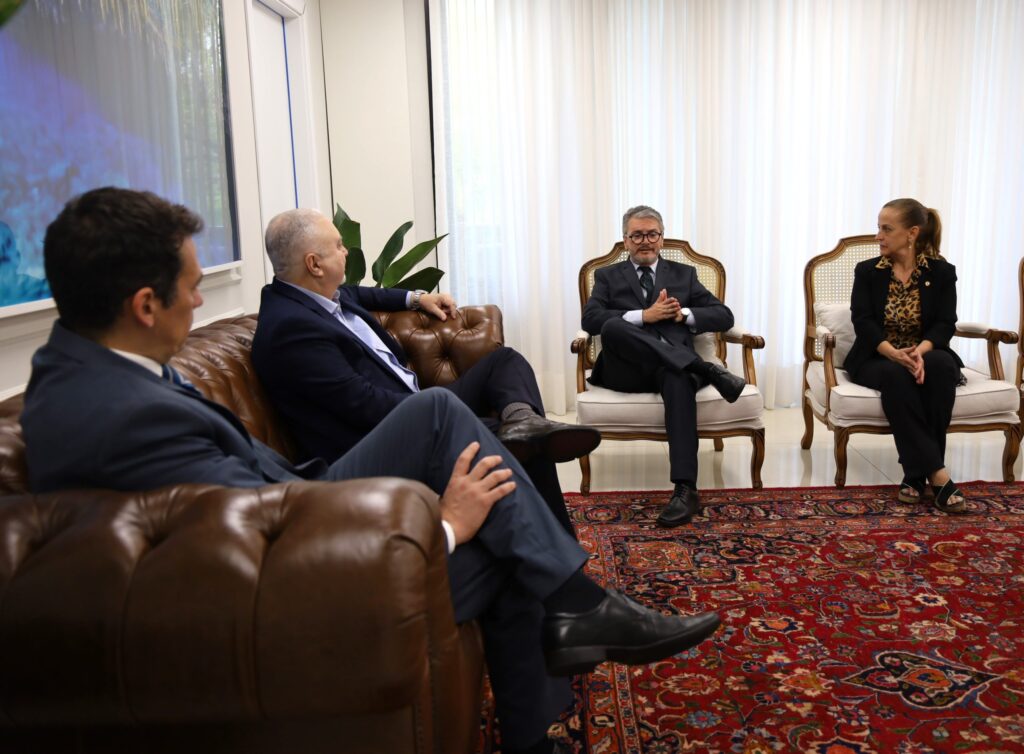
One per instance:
(378,117)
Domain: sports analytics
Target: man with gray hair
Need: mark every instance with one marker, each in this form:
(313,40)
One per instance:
(334,373)
(647,310)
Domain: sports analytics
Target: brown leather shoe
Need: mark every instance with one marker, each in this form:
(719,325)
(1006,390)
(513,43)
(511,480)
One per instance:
(684,505)
(535,435)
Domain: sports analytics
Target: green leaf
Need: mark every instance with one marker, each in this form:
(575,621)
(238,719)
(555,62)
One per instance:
(348,228)
(401,266)
(391,249)
(350,235)
(425,280)
(355,267)
(7,8)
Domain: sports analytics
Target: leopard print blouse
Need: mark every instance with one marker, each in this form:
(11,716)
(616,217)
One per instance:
(903,306)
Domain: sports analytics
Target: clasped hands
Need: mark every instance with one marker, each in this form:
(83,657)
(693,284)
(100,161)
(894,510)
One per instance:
(911,357)
(664,307)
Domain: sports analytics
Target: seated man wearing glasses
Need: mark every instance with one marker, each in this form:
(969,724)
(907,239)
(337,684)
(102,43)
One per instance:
(647,311)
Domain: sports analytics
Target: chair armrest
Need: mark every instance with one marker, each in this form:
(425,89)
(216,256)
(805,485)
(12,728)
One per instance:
(197,603)
(981,330)
(828,346)
(441,350)
(749,342)
(743,338)
(993,336)
(579,346)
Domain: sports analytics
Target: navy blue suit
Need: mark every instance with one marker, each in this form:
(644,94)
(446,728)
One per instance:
(332,389)
(654,357)
(95,419)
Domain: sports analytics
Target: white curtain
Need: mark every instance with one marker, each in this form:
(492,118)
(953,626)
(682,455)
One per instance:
(763,130)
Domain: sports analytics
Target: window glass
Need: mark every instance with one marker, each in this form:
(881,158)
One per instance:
(110,92)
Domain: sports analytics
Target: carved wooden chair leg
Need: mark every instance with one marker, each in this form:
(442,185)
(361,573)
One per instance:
(842,436)
(1010,451)
(756,458)
(805,441)
(585,471)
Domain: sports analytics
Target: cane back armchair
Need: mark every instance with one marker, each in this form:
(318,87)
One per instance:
(987,403)
(641,416)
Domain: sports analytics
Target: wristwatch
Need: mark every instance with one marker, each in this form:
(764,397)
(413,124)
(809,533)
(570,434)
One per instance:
(415,303)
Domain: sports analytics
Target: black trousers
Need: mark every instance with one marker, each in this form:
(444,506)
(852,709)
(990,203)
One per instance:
(502,377)
(634,360)
(918,414)
(502,575)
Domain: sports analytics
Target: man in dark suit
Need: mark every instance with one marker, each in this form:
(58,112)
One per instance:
(103,409)
(647,310)
(334,373)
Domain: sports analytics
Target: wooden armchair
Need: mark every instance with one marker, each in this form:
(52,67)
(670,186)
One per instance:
(641,416)
(987,403)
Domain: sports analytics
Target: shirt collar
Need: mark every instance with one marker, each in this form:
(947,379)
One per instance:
(145,362)
(330,305)
(885,263)
(654,266)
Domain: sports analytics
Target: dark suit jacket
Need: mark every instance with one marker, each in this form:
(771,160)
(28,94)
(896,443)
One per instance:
(95,419)
(329,387)
(617,290)
(867,304)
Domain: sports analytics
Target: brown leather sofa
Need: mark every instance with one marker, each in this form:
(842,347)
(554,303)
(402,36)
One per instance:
(303,617)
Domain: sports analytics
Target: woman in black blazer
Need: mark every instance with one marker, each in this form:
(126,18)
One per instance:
(904,313)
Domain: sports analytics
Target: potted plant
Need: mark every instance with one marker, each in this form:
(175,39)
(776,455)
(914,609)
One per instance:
(389,270)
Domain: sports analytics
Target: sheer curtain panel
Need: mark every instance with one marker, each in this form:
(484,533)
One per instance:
(763,130)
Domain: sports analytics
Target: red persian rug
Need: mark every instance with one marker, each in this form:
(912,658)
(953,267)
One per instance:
(852,624)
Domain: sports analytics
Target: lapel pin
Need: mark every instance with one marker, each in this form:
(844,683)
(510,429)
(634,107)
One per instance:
(927,283)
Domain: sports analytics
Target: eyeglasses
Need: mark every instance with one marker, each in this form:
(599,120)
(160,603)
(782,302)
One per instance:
(651,236)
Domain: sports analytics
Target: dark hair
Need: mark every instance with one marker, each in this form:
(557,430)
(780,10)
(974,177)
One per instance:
(911,213)
(108,243)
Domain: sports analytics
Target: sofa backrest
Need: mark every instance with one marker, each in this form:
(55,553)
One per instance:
(217,359)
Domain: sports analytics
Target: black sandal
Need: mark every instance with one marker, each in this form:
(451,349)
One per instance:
(949,498)
(911,490)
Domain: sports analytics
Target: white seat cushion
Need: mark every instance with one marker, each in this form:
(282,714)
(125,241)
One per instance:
(980,401)
(611,411)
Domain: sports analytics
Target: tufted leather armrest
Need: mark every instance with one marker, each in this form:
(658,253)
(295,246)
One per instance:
(441,351)
(200,603)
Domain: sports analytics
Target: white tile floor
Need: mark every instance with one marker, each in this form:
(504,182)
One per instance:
(871,459)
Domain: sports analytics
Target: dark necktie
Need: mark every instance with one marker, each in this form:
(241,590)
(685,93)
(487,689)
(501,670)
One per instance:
(647,283)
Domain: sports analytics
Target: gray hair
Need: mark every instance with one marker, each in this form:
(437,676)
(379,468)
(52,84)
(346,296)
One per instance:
(641,211)
(287,239)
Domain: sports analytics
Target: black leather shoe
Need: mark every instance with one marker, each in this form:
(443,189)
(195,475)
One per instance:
(728,384)
(684,505)
(535,435)
(619,630)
